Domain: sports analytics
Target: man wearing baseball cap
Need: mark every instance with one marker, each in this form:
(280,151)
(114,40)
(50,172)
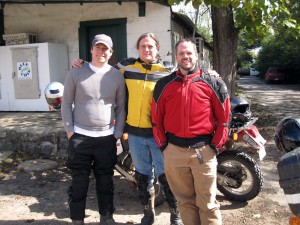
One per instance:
(97,92)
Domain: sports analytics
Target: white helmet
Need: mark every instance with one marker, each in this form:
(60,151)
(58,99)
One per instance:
(53,94)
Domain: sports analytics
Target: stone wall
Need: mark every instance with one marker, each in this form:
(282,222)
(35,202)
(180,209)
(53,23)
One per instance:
(40,134)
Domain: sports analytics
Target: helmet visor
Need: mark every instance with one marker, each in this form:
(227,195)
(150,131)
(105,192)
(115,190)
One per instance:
(55,103)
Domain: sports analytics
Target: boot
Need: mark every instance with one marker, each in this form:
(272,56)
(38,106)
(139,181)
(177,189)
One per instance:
(146,197)
(149,213)
(107,220)
(77,222)
(175,218)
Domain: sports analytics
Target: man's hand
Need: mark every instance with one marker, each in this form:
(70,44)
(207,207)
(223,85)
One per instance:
(69,134)
(212,73)
(77,63)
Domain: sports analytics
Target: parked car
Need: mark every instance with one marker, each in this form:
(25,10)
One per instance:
(248,71)
(254,72)
(274,74)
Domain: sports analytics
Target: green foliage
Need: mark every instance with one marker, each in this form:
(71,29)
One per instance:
(257,16)
(257,19)
(280,50)
(206,34)
(244,58)
(245,55)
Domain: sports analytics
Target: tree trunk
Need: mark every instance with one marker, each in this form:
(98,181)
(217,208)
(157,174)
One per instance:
(225,37)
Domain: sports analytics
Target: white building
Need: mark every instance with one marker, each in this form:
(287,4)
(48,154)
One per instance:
(72,24)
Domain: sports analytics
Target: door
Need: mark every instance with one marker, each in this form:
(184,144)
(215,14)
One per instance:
(115,28)
(25,73)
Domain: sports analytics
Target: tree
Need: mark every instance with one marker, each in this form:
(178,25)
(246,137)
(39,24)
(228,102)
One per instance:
(201,17)
(255,17)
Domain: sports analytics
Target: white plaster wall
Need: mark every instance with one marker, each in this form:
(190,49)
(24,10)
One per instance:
(179,33)
(59,23)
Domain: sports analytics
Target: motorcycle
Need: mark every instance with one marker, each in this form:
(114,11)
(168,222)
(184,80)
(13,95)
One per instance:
(239,176)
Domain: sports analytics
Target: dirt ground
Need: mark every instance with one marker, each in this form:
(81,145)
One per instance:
(40,198)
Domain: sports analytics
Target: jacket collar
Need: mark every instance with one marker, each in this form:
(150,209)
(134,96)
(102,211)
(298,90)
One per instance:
(147,66)
(191,74)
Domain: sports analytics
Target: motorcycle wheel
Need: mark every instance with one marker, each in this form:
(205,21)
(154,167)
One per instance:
(249,179)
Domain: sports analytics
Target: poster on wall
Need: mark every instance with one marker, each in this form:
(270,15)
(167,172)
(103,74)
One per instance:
(24,70)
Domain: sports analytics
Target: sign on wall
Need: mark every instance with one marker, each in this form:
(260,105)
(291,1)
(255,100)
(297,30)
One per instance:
(24,70)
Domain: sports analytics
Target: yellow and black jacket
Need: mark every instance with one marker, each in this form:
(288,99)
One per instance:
(140,81)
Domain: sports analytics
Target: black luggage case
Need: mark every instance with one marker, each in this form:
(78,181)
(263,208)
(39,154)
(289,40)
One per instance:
(289,179)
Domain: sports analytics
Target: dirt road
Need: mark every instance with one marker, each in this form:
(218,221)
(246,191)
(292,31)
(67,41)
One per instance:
(40,198)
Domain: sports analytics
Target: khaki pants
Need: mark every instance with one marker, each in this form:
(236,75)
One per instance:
(193,184)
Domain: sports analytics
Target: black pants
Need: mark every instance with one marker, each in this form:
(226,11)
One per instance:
(84,154)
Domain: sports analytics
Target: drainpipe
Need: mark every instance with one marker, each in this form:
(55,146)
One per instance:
(1,26)
(196,21)
(194,32)
(172,40)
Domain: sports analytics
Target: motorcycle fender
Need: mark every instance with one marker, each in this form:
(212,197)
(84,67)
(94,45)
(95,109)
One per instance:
(252,142)
(262,153)
(253,138)
(254,133)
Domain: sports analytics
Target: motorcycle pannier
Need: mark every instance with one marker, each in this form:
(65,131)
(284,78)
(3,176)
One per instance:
(289,179)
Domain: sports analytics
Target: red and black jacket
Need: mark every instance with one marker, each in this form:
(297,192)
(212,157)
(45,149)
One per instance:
(187,110)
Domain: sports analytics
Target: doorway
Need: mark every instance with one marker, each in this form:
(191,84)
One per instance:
(115,28)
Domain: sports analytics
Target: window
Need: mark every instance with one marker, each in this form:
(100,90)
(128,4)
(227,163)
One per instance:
(200,46)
